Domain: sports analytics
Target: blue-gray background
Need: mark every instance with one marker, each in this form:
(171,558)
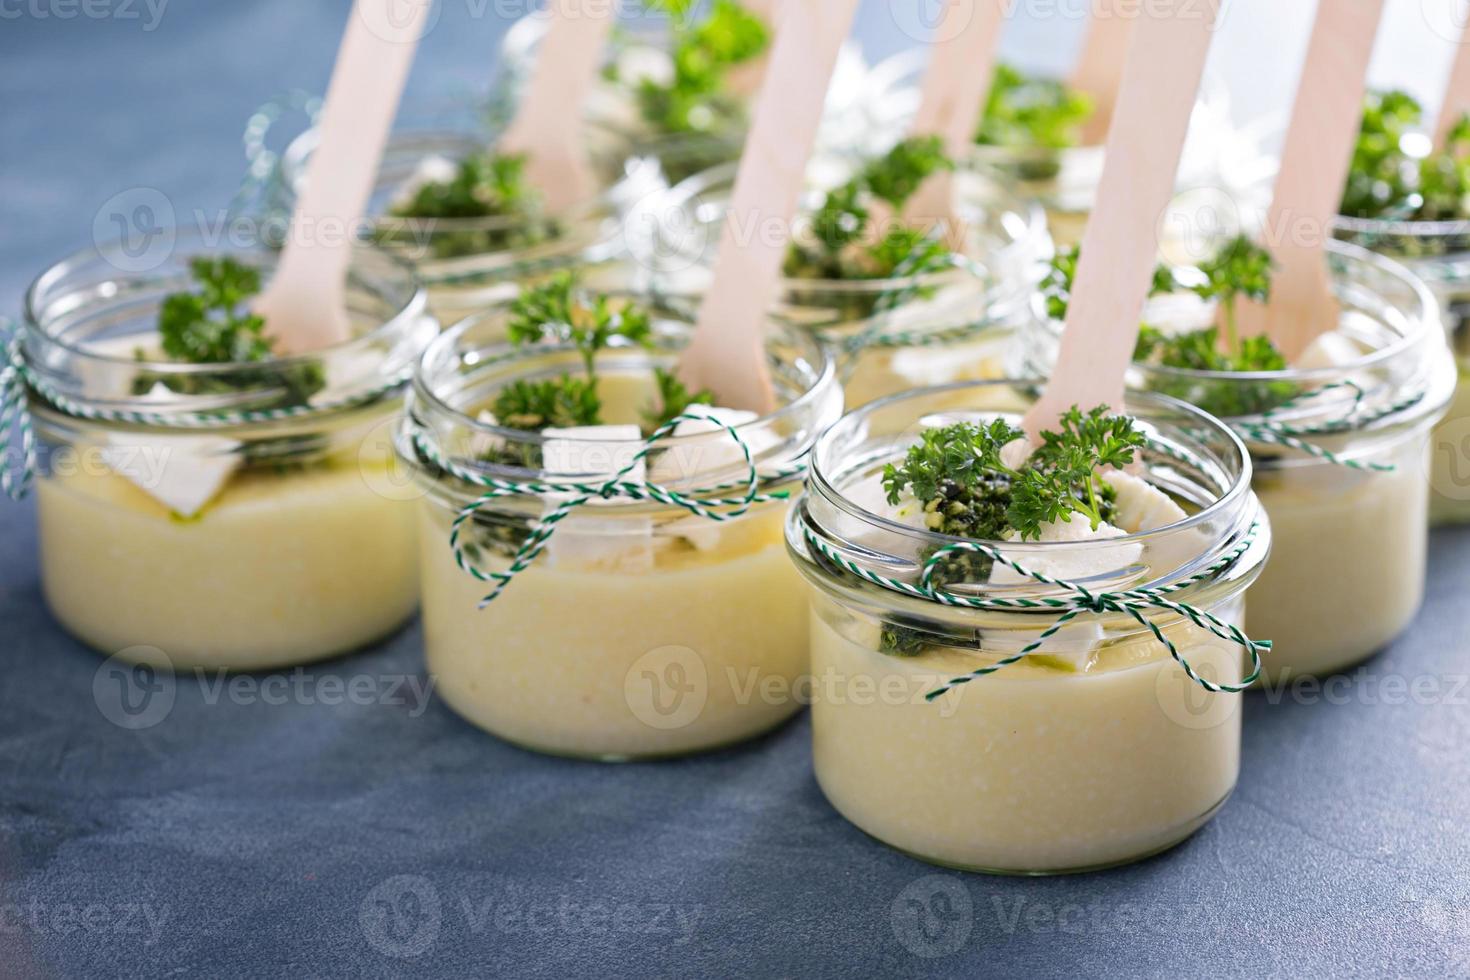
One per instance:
(241,836)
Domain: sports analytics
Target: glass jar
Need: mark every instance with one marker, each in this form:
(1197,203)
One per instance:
(935,730)
(218,515)
(1340,461)
(617,133)
(1219,159)
(467,264)
(1439,253)
(646,628)
(891,334)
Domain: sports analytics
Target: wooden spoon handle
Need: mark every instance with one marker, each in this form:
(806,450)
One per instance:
(1120,246)
(1099,70)
(1314,165)
(547,124)
(727,351)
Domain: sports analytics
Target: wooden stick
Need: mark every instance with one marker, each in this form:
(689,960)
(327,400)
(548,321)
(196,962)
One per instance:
(546,127)
(961,65)
(727,351)
(1314,165)
(1120,246)
(1099,70)
(1456,101)
(305,302)
(744,80)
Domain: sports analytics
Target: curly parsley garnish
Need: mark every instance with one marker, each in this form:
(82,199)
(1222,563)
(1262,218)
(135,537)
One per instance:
(1239,269)
(693,99)
(1387,181)
(1027,111)
(558,311)
(212,324)
(843,246)
(967,490)
(486,185)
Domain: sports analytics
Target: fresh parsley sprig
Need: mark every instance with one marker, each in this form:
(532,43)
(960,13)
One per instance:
(693,98)
(212,324)
(1239,269)
(959,473)
(558,311)
(843,246)
(1027,111)
(1387,181)
(486,185)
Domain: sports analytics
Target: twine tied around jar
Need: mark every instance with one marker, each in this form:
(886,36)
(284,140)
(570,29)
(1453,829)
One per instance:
(1273,432)
(616,486)
(912,268)
(1078,600)
(18,381)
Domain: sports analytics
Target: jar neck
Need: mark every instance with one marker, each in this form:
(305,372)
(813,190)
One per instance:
(451,433)
(848,548)
(91,345)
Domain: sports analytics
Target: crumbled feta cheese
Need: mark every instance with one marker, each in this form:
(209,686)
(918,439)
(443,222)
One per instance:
(1329,350)
(1068,563)
(1141,506)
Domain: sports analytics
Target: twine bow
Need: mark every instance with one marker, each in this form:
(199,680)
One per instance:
(617,486)
(1078,600)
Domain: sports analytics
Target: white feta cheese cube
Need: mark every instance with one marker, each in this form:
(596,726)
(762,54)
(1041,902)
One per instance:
(181,472)
(432,169)
(592,454)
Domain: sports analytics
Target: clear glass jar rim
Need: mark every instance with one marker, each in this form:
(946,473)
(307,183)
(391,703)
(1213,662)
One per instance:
(1024,246)
(1425,321)
(1239,488)
(190,243)
(443,350)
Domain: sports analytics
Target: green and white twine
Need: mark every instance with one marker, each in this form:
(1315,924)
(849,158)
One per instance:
(1079,599)
(616,486)
(19,381)
(1271,432)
